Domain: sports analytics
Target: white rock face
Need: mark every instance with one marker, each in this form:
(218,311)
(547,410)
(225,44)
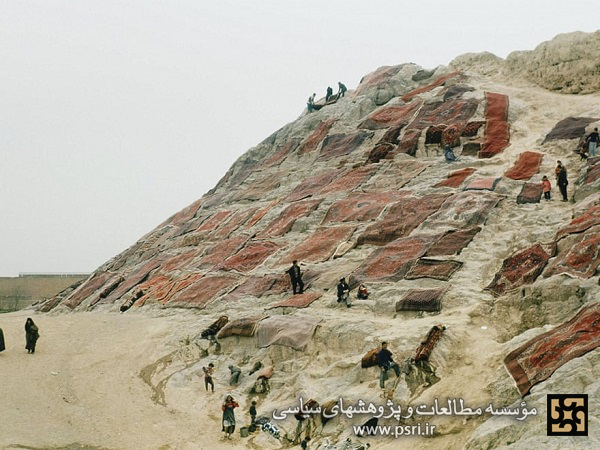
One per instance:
(568,64)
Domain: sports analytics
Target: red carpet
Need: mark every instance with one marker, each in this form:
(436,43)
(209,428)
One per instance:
(497,134)
(538,359)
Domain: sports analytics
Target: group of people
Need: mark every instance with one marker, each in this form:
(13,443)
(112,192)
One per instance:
(343,292)
(343,289)
(561,180)
(228,406)
(32,334)
(329,94)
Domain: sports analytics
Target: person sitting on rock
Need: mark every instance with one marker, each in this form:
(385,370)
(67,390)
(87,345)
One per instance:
(296,278)
(343,292)
(582,151)
(342,89)
(363,293)
(385,363)
(449,154)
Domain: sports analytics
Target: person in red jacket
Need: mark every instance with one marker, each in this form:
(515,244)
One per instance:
(229,416)
(546,187)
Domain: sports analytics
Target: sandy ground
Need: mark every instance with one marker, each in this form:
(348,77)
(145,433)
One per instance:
(82,388)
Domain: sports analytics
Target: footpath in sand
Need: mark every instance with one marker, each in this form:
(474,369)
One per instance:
(82,388)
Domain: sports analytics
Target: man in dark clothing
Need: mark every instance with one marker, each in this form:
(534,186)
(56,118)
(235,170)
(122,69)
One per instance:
(296,278)
(385,363)
(329,93)
(343,292)
(341,89)
(592,141)
(311,103)
(304,443)
(561,180)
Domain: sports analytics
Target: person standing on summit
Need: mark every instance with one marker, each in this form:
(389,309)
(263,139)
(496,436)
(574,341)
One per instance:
(296,278)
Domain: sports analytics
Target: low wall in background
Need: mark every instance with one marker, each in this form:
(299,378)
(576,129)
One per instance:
(19,292)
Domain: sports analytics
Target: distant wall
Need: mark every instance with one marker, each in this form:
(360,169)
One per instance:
(19,292)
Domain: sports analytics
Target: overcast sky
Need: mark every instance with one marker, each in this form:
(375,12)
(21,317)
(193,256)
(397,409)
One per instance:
(116,114)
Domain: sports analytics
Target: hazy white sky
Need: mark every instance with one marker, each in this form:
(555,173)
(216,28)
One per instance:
(116,114)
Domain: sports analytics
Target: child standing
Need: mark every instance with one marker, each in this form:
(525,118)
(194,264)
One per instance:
(208,376)
(253,411)
(546,187)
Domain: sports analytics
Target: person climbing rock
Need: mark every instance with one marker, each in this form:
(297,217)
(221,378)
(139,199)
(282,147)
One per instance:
(582,151)
(208,376)
(261,386)
(343,292)
(449,154)
(31,335)
(341,89)
(304,443)
(385,363)
(296,278)
(546,187)
(235,372)
(592,141)
(329,93)
(228,421)
(561,180)
(252,412)
(363,293)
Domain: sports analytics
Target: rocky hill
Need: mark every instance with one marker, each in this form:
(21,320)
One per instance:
(360,189)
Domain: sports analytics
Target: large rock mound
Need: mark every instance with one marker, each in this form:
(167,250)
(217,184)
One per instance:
(463,261)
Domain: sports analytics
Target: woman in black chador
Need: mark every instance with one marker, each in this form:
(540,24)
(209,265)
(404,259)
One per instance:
(31,335)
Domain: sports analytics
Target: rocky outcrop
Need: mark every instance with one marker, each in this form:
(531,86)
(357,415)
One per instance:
(566,64)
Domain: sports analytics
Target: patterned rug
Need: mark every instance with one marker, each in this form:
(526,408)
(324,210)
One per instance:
(569,128)
(320,245)
(497,131)
(298,301)
(421,300)
(433,268)
(439,82)
(453,242)
(526,166)
(455,179)
(519,269)
(581,259)
(481,184)
(530,193)
(430,341)
(536,360)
